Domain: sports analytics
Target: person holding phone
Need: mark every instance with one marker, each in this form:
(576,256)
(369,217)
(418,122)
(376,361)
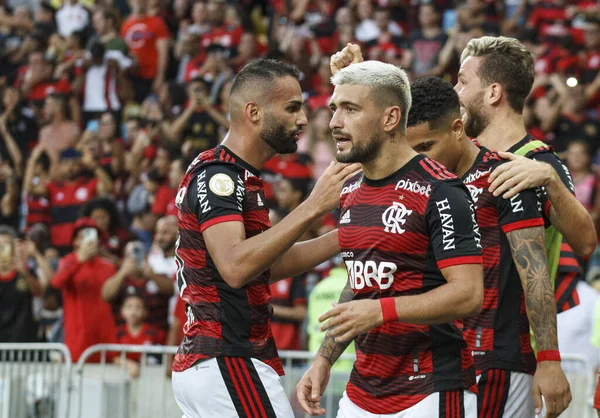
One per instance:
(80,276)
(18,286)
(136,277)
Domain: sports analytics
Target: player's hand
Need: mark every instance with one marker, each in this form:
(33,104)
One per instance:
(311,387)
(351,54)
(347,320)
(325,196)
(550,381)
(87,250)
(518,174)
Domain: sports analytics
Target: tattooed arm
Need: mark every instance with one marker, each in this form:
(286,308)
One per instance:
(529,254)
(313,383)
(330,350)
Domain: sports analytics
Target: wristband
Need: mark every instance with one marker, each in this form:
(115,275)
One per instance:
(548,355)
(388,309)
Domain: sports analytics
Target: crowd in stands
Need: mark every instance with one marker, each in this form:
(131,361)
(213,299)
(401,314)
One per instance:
(104,104)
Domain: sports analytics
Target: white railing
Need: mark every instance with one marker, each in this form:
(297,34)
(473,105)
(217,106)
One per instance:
(39,379)
(34,380)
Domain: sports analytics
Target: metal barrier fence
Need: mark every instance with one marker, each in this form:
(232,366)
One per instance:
(105,389)
(34,380)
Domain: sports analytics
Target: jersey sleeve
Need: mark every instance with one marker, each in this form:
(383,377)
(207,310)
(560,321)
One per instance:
(452,225)
(563,174)
(519,212)
(216,195)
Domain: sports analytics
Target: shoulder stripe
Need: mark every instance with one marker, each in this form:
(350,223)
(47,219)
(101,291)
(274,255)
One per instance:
(432,169)
(443,168)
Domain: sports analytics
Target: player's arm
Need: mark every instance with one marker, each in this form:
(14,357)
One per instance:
(240,260)
(565,212)
(455,240)
(529,253)
(311,387)
(305,255)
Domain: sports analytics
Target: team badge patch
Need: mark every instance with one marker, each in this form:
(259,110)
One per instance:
(221,184)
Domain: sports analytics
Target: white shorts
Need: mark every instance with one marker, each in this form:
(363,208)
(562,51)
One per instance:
(505,394)
(227,387)
(437,405)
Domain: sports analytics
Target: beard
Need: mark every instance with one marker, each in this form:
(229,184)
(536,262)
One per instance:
(282,140)
(476,121)
(361,152)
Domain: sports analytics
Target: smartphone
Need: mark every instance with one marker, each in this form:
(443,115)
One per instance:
(139,253)
(93,126)
(90,234)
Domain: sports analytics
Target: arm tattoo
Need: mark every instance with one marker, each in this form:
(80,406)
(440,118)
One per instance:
(330,350)
(529,254)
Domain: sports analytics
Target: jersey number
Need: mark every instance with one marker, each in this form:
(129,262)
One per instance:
(180,196)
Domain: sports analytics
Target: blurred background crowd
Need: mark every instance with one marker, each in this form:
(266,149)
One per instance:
(104,104)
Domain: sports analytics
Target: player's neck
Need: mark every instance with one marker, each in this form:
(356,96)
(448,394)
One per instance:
(504,131)
(468,156)
(392,157)
(255,153)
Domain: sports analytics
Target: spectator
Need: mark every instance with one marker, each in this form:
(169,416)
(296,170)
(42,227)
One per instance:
(578,162)
(148,40)
(103,82)
(69,193)
(71,17)
(37,206)
(199,122)
(105,22)
(81,276)
(136,331)
(387,46)
(105,214)
(164,203)
(161,259)
(134,277)
(289,194)
(22,130)
(288,298)
(368,28)
(9,190)
(317,141)
(59,132)
(17,289)
(428,43)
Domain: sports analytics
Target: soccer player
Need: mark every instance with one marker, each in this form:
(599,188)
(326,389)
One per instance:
(494,81)
(409,240)
(227,364)
(513,235)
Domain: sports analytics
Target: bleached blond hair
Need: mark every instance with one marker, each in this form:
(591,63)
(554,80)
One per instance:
(389,82)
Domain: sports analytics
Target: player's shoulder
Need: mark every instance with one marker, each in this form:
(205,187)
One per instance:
(435,173)
(485,163)
(352,184)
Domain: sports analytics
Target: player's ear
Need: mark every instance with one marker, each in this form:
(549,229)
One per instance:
(391,118)
(253,112)
(494,93)
(458,128)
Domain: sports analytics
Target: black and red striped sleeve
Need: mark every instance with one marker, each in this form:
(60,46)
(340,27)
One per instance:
(217,194)
(452,225)
(563,174)
(519,212)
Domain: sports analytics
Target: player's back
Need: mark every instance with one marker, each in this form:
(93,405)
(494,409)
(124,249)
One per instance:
(395,235)
(498,336)
(222,321)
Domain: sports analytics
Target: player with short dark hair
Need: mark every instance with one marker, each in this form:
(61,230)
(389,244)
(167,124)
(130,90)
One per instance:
(409,239)
(227,254)
(512,233)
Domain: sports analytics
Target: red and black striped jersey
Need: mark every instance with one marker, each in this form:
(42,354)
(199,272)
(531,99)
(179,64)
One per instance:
(499,336)
(66,199)
(222,321)
(38,210)
(395,235)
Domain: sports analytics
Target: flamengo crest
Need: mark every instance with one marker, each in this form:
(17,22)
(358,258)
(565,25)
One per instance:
(394,217)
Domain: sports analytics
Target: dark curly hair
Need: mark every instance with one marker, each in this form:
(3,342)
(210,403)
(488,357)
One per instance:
(434,101)
(109,206)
